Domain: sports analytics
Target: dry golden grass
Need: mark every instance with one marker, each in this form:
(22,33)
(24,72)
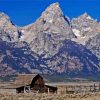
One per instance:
(87,96)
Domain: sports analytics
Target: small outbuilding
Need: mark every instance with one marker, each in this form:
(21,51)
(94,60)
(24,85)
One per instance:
(26,83)
(30,83)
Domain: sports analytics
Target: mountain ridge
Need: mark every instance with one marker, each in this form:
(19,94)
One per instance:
(51,45)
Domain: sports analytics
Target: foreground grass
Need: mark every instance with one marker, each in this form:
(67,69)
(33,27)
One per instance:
(88,96)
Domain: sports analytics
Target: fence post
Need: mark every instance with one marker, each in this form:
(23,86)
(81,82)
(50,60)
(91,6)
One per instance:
(94,88)
(90,88)
(66,90)
(48,90)
(99,87)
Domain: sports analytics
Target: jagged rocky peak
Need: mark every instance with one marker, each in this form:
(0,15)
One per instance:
(86,16)
(3,15)
(52,20)
(4,19)
(52,12)
(85,27)
(48,32)
(8,31)
(87,31)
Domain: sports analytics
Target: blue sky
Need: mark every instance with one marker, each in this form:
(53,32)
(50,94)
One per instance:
(23,12)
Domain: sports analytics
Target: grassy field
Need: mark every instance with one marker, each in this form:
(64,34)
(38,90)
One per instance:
(58,96)
(88,96)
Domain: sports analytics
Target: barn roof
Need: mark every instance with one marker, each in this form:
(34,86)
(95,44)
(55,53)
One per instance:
(25,79)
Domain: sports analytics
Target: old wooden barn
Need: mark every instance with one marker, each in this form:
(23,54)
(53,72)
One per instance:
(26,83)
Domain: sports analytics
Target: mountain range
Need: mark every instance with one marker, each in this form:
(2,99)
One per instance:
(52,45)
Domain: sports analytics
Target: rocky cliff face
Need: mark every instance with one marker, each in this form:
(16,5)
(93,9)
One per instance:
(45,36)
(73,58)
(51,45)
(94,45)
(18,58)
(87,31)
(8,31)
(85,27)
